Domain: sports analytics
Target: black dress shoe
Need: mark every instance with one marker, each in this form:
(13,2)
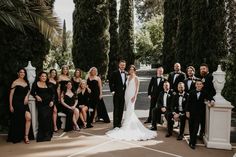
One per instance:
(191,146)
(180,137)
(168,135)
(147,121)
(200,137)
(153,128)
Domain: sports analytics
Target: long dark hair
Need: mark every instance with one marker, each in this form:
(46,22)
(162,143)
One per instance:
(51,72)
(40,73)
(25,78)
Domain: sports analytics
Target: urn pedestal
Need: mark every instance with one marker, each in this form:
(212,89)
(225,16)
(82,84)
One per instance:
(218,117)
(31,74)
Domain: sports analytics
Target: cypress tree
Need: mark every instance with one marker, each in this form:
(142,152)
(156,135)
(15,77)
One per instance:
(208,36)
(126,31)
(184,44)
(114,47)
(64,42)
(217,33)
(91,35)
(229,91)
(170,32)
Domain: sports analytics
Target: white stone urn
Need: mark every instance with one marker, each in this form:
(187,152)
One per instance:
(219,82)
(218,117)
(31,73)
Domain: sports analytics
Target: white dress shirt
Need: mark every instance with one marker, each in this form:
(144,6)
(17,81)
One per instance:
(122,76)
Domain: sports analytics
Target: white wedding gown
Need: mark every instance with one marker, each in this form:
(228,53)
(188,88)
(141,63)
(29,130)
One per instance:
(132,128)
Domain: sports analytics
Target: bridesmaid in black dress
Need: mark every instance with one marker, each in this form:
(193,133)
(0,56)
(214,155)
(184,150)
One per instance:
(95,84)
(76,79)
(44,102)
(20,113)
(52,83)
(69,102)
(63,79)
(83,101)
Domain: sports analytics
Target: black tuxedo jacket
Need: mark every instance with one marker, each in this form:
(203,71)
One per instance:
(175,102)
(168,102)
(181,77)
(153,88)
(208,85)
(116,84)
(192,86)
(197,107)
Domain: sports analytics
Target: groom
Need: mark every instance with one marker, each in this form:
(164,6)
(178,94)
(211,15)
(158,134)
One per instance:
(117,87)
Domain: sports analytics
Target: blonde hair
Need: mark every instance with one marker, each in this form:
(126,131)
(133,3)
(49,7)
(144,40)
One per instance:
(90,70)
(63,67)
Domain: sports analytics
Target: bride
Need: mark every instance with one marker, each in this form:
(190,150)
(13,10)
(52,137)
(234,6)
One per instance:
(132,128)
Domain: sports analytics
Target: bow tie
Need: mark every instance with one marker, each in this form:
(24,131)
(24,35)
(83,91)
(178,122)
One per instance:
(190,79)
(122,72)
(158,77)
(181,95)
(166,92)
(198,91)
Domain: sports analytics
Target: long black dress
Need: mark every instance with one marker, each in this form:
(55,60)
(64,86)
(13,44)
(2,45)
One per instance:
(17,122)
(69,113)
(75,84)
(96,103)
(45,124)
(62,85)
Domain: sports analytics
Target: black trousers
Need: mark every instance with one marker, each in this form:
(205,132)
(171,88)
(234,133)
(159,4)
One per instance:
(170,123)
(153,103)
(193,129)
(202,124)
(118,101)
(156,116)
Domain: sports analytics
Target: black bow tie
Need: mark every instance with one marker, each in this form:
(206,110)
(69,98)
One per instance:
(158,77)
(198,91)
(190,79)
(122,72)
(181,95)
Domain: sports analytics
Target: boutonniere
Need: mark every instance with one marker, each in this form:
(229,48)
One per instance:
(203,80)
(168,95)
(184,99)
(194,81)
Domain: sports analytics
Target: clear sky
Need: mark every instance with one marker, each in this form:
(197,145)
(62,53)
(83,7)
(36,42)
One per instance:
(64,10)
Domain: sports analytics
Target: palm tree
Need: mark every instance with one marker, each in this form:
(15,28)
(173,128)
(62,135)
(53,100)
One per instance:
(19,14)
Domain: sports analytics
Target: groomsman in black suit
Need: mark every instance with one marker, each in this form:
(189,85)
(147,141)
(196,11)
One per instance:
(163,105)
(179,102)
(176,76)
(196,109)
(189,82)
(208,87)
(154,89)
(117,87)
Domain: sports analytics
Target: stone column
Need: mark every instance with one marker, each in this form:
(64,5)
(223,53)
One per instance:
(31,74)
(218,117)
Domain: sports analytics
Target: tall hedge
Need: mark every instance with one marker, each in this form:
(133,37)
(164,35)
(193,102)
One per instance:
(113,30)
(91,35)
(126,31)
(16,50)
(170,33)
(184,33)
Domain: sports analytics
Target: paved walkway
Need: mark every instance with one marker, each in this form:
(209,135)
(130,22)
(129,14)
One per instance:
(94,143)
